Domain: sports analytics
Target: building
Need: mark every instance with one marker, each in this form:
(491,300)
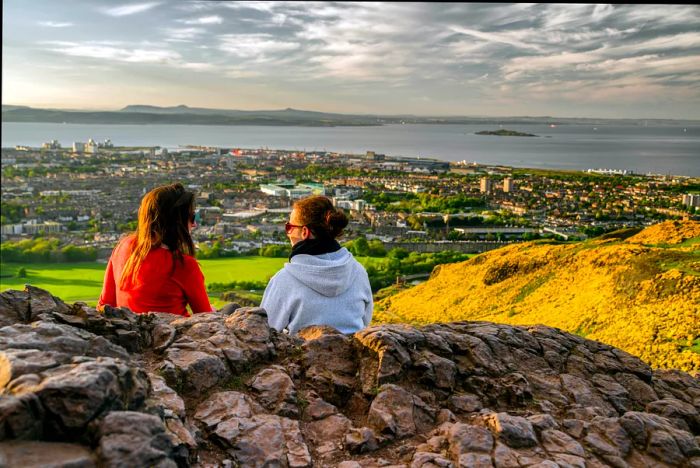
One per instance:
(78,147)
(43,228)
(53,144)
(486,185)
(91,147)
(691,199)
(508,185)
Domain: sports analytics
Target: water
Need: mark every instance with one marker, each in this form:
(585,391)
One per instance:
(659,150)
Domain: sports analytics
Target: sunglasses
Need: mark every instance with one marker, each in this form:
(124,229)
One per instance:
(289,226)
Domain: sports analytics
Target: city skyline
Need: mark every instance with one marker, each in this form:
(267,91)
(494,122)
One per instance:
(583,60)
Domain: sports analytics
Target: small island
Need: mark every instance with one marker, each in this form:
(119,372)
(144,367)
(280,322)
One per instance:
(504,132)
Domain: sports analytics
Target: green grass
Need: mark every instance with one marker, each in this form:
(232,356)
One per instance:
(83,281)
(531,287)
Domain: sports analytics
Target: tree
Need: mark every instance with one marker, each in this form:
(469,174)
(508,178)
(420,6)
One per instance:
(359,247)
(22,272)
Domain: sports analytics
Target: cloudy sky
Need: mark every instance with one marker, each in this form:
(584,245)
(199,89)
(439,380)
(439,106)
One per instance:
(384,58)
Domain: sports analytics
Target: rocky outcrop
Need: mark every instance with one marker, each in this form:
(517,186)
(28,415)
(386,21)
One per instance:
(82,388)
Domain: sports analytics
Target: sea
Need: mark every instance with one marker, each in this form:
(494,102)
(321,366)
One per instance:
(667,150)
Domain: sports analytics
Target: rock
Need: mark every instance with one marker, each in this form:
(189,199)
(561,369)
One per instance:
(72,395)
(59,339)
(475,460)
(223,406)
(166,396)
(134,439)
(163,336)
(330,364)
(514,431)
(194,371)
(33,454)
(14,307)
(21,417)
(328,434)
(685,414)
(429,460)
(542,422)
(361,440)
(397,413)
(276,392)
(435,370)
(465,403)
(319,409)
(268,440)
(222,387)
(664,447)
(555,441)
(465,438)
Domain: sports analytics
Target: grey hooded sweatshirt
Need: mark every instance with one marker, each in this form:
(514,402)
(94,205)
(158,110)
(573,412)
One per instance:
(329,289)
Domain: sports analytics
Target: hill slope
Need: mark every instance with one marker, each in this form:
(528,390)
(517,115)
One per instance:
(641,294)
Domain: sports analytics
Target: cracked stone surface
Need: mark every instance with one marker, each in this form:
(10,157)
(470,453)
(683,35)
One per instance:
(82,388)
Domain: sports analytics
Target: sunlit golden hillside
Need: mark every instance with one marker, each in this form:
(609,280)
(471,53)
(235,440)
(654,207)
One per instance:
(641,294)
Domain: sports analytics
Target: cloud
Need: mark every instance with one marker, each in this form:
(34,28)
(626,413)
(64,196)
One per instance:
(254,45)
(182,34)
(53,24)
(130,9)
(102,52)
(213,19)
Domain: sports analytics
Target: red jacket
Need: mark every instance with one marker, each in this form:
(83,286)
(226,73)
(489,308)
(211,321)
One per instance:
(157,287)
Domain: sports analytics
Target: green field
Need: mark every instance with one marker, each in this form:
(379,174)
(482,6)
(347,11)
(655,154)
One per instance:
(83,281)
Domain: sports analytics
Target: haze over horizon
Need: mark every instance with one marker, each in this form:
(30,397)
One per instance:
(424,59)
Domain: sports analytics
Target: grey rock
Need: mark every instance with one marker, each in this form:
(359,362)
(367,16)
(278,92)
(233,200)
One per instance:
(514,431)
(361,440)
(465,438)
(194,371)
(135,439)
(276,392)
(398,413)
(35,454)
(555,441)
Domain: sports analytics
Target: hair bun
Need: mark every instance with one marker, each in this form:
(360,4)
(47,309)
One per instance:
(336,221)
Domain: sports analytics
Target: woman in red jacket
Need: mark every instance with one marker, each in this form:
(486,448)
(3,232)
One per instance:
(154,270)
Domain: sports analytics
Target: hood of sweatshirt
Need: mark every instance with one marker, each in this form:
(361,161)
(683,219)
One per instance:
(328,274)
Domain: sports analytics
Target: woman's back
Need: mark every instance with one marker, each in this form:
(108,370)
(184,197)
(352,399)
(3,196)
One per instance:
(154,270)
(329,289)
(322,284)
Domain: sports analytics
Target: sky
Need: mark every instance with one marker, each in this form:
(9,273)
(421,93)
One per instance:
(469,59)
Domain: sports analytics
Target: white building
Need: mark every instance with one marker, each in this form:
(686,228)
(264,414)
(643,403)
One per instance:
(91,147)
(691,199)
(486,185)
(78,147)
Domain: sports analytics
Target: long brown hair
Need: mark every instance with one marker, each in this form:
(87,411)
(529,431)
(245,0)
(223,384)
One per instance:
(321,217)
(163,220)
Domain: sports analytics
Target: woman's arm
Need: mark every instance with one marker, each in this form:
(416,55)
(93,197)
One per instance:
(109,288)
(195,290)
(369,302)
(275,304)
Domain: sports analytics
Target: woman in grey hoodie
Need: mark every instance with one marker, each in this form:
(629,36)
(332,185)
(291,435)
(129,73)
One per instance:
(322,284)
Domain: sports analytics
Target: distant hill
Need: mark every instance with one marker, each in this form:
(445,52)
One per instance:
(640,294)
(184,115)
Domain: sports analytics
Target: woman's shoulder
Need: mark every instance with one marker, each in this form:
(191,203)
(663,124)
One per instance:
(126,239)
(125,242)
(190,261)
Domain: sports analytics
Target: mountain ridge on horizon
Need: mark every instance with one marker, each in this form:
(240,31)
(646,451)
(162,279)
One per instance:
(289,116)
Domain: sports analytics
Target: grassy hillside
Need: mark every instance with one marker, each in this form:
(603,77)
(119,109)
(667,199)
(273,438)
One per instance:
(83,281)
(641,294)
